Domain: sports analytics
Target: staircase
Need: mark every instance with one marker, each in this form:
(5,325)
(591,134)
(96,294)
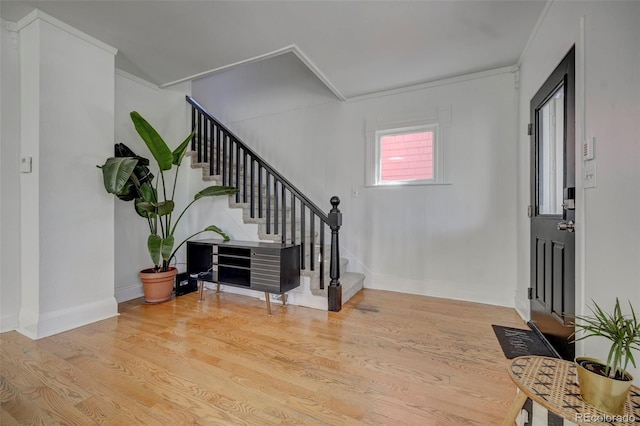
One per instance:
(283,214)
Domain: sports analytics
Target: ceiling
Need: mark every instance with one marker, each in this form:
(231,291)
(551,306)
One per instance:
(355,47)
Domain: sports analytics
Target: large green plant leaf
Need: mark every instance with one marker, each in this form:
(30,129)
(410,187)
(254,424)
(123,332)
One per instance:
(213,191)
(218,231)
(121,150)
(140,171)
(154,244)
(160,249)
(167,247)
(178,153)
(116,172)
(161,209)
(147,195)
(165,207)
(154,141)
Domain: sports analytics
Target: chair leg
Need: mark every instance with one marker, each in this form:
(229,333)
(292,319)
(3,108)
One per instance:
(516,406)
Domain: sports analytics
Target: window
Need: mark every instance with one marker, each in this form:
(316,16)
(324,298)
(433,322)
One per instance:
(406,155)
(410,151)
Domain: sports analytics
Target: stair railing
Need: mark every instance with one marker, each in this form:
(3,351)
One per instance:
(266,191)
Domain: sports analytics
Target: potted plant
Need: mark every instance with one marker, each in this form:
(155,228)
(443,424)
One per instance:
(127,176)
(605,385)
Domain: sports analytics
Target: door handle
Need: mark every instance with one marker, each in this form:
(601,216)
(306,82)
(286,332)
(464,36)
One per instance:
(566,226)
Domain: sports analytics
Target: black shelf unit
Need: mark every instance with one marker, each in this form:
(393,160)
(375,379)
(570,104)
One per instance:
(267,267)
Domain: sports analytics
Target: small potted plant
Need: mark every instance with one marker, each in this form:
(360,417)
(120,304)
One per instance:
(605,385)
(127,176)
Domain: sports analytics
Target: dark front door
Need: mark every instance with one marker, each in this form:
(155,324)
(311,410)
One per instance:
(553,207)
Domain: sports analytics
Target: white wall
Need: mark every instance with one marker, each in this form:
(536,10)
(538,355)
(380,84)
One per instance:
(453,240)
(608,108)
(168,112)
(67,113)
(9,179)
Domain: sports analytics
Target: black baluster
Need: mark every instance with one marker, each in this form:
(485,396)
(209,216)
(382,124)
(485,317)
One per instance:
(244,175)
(219,140)
(321,261)
(252,209)
(230,162)
(199,133)
(293,219)
(335,289)
(268,202)
(237,171)
(260,191)
(284,213)
(193,126)
(275,205)
(212,132)
(312,239)
(224,159)
(205,131)
(302,238)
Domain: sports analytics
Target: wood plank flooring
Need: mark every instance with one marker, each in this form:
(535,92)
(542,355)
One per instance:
(386,358)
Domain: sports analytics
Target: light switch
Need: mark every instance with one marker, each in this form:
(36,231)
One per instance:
(25,165)
(589,172)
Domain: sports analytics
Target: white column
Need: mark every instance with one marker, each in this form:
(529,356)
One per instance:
(67,219)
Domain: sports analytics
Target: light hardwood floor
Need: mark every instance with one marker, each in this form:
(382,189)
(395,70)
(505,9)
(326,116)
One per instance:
(386,358)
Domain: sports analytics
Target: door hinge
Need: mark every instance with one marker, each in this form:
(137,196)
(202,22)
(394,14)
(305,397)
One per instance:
(530,293)
(530,211)
(530,129)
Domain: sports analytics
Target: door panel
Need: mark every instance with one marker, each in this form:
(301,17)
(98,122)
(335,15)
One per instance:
(540,270)
(558,278)
(552,221)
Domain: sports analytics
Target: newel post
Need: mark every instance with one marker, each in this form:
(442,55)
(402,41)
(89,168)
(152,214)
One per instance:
(335,290)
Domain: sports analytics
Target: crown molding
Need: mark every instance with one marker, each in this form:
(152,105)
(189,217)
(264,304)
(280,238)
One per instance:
(40,15)
(287,49)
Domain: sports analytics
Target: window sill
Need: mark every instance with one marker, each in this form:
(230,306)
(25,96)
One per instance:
(400,185)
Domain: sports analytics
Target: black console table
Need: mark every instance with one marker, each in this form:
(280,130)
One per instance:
(267,267)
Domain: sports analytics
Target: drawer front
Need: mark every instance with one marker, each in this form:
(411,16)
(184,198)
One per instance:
(265,270)
(265,282)
(266,263)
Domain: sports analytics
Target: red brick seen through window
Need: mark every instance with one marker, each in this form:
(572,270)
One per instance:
(407,156)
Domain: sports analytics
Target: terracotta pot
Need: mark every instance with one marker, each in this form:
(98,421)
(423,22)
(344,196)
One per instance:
(158,286)
(602,392)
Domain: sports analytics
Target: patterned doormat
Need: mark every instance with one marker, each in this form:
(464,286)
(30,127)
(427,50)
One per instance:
(516,342)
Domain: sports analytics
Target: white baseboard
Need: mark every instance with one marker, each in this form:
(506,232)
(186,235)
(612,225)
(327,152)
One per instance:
(522,308)
(129,292)
(468,292)
(47,324)
(8,323)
